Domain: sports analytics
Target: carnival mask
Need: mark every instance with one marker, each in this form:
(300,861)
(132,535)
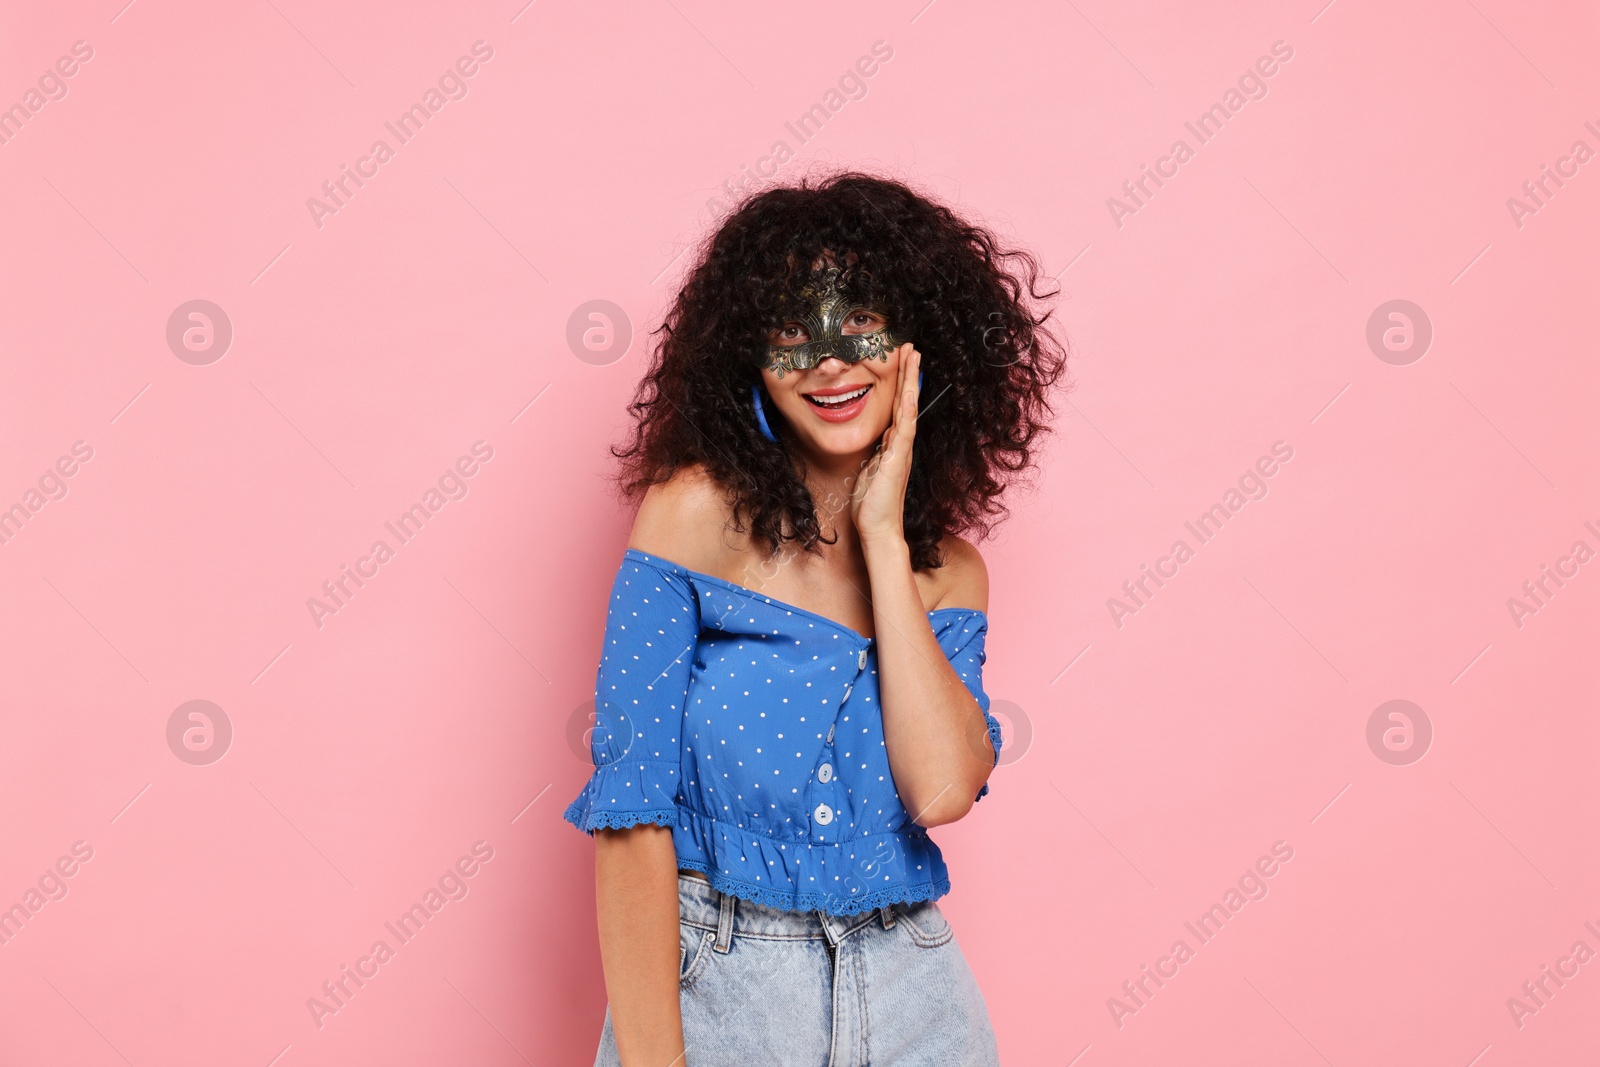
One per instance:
(823,310)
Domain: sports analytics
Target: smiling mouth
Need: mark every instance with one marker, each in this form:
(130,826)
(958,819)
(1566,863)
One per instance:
(838,400)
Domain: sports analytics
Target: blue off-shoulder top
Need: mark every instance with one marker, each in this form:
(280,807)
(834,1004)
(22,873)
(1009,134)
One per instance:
(752,728)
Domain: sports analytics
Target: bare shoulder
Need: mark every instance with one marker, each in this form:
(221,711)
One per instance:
(965,581)
(682,519)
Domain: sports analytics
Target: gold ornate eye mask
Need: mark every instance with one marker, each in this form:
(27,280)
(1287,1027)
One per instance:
(823,312)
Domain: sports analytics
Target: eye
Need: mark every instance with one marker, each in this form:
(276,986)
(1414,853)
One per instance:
(863,321)
(790,333)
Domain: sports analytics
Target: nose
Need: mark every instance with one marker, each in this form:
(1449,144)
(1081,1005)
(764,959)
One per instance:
(830,363)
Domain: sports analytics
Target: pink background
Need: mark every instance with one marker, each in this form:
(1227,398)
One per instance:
(437,707)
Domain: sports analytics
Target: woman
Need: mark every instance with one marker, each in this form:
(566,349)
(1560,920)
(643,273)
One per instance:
(790,689)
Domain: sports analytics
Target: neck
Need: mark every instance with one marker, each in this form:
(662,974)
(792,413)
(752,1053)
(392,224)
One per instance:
(831,479)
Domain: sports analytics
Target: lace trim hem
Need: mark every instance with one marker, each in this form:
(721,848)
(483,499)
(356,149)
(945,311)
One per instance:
(619,820)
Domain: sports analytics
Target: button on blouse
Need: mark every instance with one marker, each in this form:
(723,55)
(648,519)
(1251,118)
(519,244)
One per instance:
(752,728)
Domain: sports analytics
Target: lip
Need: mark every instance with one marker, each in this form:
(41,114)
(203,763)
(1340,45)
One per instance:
(843,412)
(835,390)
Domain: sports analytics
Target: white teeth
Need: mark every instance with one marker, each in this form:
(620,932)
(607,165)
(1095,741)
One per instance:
(842,398)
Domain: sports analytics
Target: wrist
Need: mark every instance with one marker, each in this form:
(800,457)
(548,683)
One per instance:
(890,547)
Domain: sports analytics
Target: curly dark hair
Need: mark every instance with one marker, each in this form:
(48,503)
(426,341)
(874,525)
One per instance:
(966,302)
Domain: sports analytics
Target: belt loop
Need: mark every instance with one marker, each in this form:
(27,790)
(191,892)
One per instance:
(724,924)
(886,913)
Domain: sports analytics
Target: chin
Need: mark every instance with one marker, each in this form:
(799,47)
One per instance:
(847,440)
(845,444)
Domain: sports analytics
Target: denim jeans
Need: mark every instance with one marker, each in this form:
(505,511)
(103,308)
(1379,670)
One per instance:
(760,986)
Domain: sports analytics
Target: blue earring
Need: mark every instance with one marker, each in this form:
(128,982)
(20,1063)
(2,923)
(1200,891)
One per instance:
(761,411)
(761,414)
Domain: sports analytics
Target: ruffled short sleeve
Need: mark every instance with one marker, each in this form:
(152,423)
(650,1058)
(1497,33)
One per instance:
(641,686)
(962,639)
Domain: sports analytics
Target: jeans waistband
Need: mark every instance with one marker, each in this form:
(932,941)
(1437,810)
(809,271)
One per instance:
(701,906)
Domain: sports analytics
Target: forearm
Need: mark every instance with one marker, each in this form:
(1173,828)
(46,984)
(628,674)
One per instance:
(636,898)
(931,721)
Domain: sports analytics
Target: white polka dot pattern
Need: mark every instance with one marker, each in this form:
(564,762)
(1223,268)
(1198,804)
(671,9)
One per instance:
(752,728)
